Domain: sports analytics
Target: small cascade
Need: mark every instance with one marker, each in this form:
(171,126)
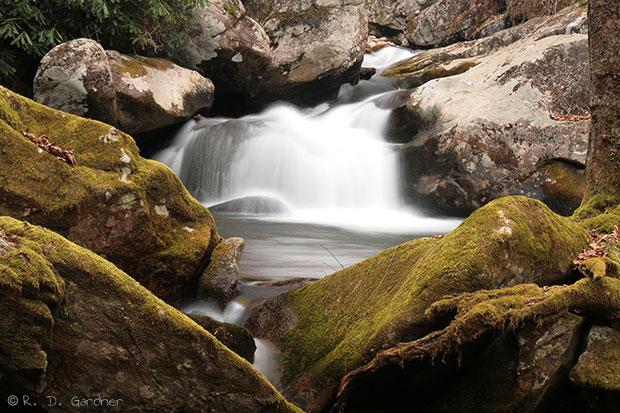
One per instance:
(329,164)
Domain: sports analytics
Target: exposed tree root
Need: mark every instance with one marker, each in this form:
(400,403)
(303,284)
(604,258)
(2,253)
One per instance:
(493,311)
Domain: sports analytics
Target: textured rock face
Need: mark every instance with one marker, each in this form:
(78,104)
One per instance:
(219,281)
(130,210)
(133,93)
(447,21)
(336,324)
(75,77)
(314,43)
(75,326)
(276,50)
(432,23)
(389,18)
(597,371)
(486,126)
(598,366)
(228,46)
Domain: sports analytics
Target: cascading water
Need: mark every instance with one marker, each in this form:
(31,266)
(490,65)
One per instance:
(328,165)
(289,170)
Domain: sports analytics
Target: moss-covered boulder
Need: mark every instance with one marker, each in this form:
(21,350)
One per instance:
(336,324)
(74,326)
(132,211)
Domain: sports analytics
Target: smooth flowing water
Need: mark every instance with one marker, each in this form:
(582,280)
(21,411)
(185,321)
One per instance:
(310,190)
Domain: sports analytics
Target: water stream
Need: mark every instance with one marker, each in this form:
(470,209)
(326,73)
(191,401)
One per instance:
(310,190)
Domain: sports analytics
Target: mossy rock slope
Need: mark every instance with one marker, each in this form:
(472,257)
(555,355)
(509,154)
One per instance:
(74,325)
(132,211)
(336,324)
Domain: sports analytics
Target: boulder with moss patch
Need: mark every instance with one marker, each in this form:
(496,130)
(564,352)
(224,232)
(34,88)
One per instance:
(219,281)
(132,211)
(338,323)
(75,326)
(598,367)
(133,93)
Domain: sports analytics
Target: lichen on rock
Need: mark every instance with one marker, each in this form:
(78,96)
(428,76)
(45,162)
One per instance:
(134,93)
(475,149)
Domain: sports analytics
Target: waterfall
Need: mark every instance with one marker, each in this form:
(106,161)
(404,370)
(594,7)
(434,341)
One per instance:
(329,164)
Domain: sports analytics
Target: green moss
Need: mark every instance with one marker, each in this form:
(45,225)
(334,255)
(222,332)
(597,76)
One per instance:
(596,204)
(137,65)
(599,366)
(344,319)
(478,313)
(56,297)
(232,9)
(601,267)
(111,202)
(415,73)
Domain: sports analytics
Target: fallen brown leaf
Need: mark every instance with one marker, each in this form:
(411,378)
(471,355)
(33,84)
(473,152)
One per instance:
(43,142)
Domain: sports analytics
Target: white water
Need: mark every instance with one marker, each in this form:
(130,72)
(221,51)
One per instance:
(327,165)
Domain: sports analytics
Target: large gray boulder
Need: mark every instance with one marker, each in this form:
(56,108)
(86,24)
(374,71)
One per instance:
(227,46)
(294,50)
(447,21)
(512,120)
(315,43)
(389,18)
(134,93)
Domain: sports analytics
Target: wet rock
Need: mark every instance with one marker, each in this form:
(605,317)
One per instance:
(486,125)
(74,326)
(339,323)
(219,281)
(235,337)
(367,72)
(134,93)
(132,211)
